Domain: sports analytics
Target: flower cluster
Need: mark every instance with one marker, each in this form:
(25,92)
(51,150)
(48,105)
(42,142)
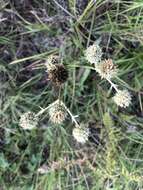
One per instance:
(57,115)
(58,74)
(58,112)
(107,70)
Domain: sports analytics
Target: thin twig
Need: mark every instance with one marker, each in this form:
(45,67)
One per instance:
(43,110)
(72,117)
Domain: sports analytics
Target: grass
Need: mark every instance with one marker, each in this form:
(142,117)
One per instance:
(29,33)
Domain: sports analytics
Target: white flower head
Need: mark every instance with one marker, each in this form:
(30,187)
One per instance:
(28,120)
(81,134)
(122,98)
(51,60)
(107,69)
(57,112)
(93,53)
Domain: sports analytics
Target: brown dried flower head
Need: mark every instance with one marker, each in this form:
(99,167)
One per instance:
(107,69)
(57,73)
(57,112)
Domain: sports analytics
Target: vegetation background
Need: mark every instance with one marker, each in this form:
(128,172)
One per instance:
(30,30)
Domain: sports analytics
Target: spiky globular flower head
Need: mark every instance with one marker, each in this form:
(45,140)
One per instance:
(81,133)
(122,98)
(107,69)
(57,73)
(93,53)
(57,112)
(28,120)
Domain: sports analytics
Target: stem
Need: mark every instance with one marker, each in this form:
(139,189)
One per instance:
(72,117)
(112,85)
(43,110)
(59,95)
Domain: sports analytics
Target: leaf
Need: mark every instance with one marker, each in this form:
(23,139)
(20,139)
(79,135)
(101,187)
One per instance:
(84,76)
(107,120)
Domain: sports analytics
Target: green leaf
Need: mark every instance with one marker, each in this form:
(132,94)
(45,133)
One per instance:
(107,120)
(84,76)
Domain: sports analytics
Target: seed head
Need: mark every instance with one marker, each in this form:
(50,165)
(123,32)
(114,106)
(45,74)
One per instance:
(28,120)
(93,53)
(107,69)
(57,73)
(57,112)
(122,98)
(81,134)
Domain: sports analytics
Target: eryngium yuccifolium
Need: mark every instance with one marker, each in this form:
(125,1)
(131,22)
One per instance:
(57,73)
(107,69)
(93,53)
(57,113)
(122,98)
(81,134)
(28,120)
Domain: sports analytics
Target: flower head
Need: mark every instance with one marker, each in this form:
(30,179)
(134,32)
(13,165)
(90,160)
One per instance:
(81,134)
(107,69)
(57,112)
(93,53)
(57,73)
(28,120)
(122,98)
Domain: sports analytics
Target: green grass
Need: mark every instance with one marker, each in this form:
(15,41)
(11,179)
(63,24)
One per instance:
(26,40)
